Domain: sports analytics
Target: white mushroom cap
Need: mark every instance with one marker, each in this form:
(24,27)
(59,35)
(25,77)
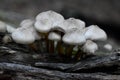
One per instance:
(10,28)
(23,36)
(43,26)
(27,23)
(95,33)
(47,20)
(6,39)
(75,37)
(54,36)
(108,47)
(71,24)
(90,47)
(2,26)
(26,34)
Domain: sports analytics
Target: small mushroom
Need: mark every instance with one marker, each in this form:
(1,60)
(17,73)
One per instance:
(7,39)
(26,34)
(10,28)
(53,37)
(2,27)
(108,47)
(90,47)
(74,38)
(71,23)
(46,21)
(23,36)
(27,23)
(93,32)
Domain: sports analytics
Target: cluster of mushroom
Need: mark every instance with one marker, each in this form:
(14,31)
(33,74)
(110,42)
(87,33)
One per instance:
(5,30)
(58,35)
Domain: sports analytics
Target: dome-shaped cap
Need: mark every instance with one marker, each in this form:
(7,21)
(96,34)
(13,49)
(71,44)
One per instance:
(53,16)
(54,36)
(2,26)
(23,36)
(10,29)
(75,37)
(47,20)
(90,47)
(108,47)
(27,23)
(71,24)
(93,32)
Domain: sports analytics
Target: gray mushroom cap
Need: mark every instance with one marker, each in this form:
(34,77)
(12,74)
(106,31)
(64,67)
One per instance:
(93,32)
(54,36)
(2,26)
(71,23)
(23,36)
(10,29)
(47,20)
(27,23)
(75,37)
(90,47)
(26,34)
(108,47)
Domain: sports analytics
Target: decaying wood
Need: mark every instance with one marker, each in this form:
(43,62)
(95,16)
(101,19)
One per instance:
(51,74)
(17,63)
(54,66)
(97,63)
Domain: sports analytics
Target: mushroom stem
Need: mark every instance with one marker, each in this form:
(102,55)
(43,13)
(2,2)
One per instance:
(39,46)
(69,50)
(79,54)
(60,48)
(33,46)
(45,38)
(51,46)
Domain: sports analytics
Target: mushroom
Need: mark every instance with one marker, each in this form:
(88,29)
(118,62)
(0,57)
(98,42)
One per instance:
(53,37)
(2,27)
(26,34)
(71,24)
(93,32)
(7,39)
(74,38)
(10,28)
(108,47)
(46,21)
(27,23)
(89,47)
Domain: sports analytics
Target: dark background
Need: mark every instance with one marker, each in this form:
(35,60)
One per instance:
(105,13)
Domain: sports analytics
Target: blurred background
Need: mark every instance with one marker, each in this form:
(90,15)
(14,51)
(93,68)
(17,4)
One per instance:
(105,13)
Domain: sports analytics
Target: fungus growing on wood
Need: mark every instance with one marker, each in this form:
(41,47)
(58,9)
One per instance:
(108,47)
(46,21)
(54,38)
(26,34)
(90,47)
(93,32)
(51,28)
(2,26)
(71,24)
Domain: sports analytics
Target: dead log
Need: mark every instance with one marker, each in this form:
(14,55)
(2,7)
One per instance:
(54,66)
(53,75)
(98,63)
(18,65)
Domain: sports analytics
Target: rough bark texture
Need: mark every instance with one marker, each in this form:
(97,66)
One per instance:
(17,63)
